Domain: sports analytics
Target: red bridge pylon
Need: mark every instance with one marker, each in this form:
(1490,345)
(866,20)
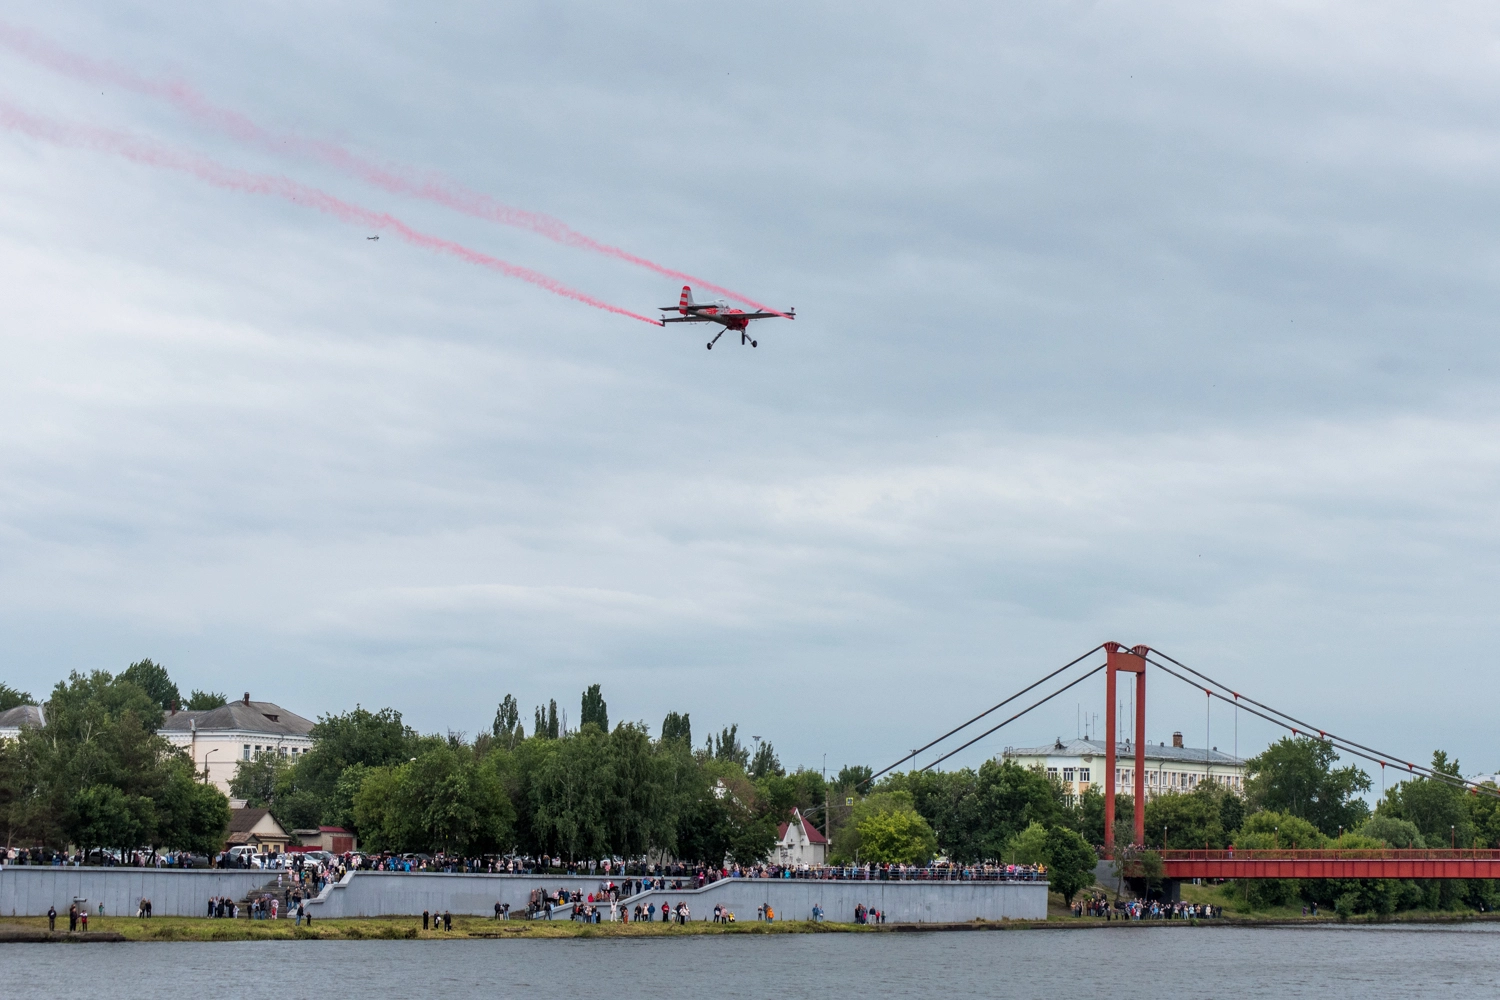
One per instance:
(1133,661)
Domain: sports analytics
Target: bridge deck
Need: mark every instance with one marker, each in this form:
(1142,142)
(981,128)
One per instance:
(1332,864)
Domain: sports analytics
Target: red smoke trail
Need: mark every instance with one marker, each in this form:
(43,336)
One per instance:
(152,154)
(396,180)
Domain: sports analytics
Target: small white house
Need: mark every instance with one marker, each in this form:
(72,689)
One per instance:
(800,843)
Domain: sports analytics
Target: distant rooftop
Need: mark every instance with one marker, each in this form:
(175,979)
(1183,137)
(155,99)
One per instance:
(243,716)
(1124,752)
(31,716)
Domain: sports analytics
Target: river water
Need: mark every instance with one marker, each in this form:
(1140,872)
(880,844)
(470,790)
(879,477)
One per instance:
(1206,962)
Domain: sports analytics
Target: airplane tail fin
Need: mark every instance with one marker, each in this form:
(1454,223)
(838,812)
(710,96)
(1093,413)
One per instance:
(686,300)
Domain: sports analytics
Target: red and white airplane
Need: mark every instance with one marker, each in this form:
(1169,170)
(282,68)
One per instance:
(717,312)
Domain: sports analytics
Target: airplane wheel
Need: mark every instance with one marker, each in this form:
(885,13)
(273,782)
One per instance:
(754,344)
(709,346)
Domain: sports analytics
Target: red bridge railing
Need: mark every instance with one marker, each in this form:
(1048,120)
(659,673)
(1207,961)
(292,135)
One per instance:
(1440,863)
(1336,854)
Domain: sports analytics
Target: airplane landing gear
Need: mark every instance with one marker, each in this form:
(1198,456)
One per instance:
(711,343)
(745,338)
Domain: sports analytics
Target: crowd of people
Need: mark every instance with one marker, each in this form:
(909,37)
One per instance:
(1099,906)
(97,858)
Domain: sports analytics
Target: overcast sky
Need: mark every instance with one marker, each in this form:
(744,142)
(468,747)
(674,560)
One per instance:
(1168,323)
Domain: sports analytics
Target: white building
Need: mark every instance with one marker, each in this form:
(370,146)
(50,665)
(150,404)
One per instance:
(217,739)
(800,843)
(1079,764)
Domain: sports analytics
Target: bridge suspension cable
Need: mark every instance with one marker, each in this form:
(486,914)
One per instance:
(992,708)
(1013,718)
(1282,719)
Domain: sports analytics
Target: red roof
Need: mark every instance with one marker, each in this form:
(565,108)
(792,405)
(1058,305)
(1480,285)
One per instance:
(814,835)
(332,829)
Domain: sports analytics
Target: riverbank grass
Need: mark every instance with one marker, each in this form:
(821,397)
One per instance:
(410,928)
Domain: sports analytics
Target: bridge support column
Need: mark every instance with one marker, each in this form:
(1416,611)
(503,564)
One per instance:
(1131,661)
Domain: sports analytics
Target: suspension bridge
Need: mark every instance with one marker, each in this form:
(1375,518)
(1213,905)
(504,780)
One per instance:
(1450,863)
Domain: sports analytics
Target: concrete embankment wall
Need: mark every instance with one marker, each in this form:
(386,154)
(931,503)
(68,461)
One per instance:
(902,902)
(368,894)
(28,890)
(374,894)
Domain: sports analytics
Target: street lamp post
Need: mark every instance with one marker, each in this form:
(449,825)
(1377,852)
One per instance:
(205,762)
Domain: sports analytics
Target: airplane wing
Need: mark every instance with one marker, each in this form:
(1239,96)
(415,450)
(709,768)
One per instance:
(789,314)
(686,319)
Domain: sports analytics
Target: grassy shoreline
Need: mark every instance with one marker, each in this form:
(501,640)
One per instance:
(472,928)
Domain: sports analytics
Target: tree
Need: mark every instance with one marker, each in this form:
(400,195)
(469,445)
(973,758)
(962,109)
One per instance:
(103,816)
(594,709)
(885,827)
(1484,814)
(546,722)
(445,800)
(1190,821)
(899,836)
(852,776)
(1296,776)
(152,678)
(1437,807)
(11,697)
(1089,816)
(1270,830)
(1070,862)
(1029,847)
(677,727)
(1392,832)
(727,746)
(259,780)
(374,739)
(766,762)
(202,701)
(507,728)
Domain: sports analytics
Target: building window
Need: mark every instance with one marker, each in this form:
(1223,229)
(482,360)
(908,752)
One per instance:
(1067,774)
(1083,774)
(1051,772)
(247,751)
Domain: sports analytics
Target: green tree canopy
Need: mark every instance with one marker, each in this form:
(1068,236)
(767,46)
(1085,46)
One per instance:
(374,739)
(546,722)
(885,827)
(766,763)
(1188,821)
(99,775)
(444,800)
(1392,832)
(1296,776)
(852,778)
(594,709)
(202,701)
(727,747)
(507,728)
(11,697)
(1028,847)
(1438,808)
(677,726)
(152,678)
(1070,862)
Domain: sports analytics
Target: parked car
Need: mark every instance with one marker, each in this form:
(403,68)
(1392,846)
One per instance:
(243,856)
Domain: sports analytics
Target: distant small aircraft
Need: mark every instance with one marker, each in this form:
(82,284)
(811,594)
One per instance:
(372,237)
(717,312)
